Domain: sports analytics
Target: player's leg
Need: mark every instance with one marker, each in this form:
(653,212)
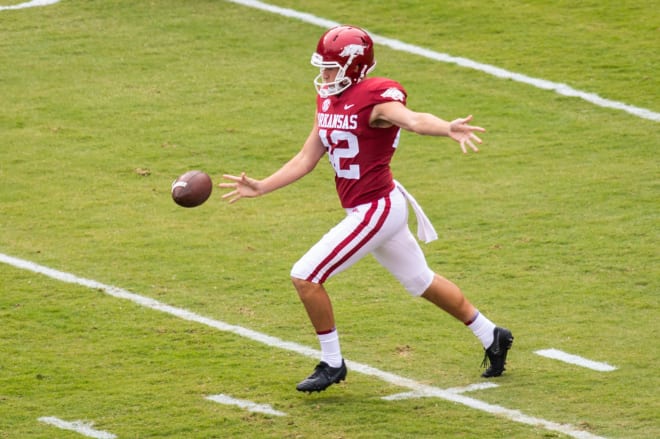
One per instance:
(364,228)
(495,340)
(448,296)
(331,369)
(317,304)
(403,257)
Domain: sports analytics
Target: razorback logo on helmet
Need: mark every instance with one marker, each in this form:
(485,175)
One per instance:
(352,50)
(394,94)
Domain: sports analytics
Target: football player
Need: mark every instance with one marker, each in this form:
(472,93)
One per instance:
(357,125)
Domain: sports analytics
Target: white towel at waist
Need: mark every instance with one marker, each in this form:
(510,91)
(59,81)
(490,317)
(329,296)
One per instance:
(425,230)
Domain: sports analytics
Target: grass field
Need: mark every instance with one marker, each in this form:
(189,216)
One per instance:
(551,230)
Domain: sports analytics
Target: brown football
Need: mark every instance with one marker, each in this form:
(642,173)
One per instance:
(192,189)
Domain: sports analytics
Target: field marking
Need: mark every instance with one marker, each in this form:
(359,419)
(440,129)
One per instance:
(31,4)
(544,84)
(245,404)
(396,380)
(457,390)
(84,428)
(562,89)
(556,354)
(473,387)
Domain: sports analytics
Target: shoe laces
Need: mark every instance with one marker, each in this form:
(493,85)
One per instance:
(486,361)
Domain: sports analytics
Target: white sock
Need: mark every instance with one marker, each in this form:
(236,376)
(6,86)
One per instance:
(482,328)
(330,350)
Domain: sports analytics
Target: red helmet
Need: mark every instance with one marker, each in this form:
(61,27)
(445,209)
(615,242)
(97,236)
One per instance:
(348,48)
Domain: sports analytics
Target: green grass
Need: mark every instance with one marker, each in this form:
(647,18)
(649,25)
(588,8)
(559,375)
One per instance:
(551,229)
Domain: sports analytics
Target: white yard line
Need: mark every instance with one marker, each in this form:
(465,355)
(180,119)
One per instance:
(31,4)
(457,390)
(473,387)
(81,427)
(559,88)
(397,380)
(244,404)
(556,354)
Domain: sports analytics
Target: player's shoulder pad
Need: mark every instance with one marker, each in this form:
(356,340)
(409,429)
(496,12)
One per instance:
(385,90)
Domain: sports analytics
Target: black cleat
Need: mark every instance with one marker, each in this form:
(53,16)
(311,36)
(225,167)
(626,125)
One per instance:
(322,377)
(496,353)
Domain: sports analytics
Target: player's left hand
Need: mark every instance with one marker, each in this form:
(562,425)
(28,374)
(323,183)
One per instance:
(460,131)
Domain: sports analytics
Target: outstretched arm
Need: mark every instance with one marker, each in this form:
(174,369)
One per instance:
(300,165)
(395,113)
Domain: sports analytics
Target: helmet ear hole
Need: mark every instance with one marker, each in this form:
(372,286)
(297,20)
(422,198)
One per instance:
(363,71)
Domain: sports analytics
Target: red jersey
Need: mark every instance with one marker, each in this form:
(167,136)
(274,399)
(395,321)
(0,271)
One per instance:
(359,154)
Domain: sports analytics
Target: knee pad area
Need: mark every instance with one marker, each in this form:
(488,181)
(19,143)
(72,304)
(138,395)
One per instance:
(418,284)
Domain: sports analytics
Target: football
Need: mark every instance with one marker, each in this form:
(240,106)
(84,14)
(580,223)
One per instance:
(192,188)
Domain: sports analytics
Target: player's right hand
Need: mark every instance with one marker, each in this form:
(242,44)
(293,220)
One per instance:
(243,187)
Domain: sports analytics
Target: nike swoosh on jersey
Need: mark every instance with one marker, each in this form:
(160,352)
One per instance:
(348,106)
